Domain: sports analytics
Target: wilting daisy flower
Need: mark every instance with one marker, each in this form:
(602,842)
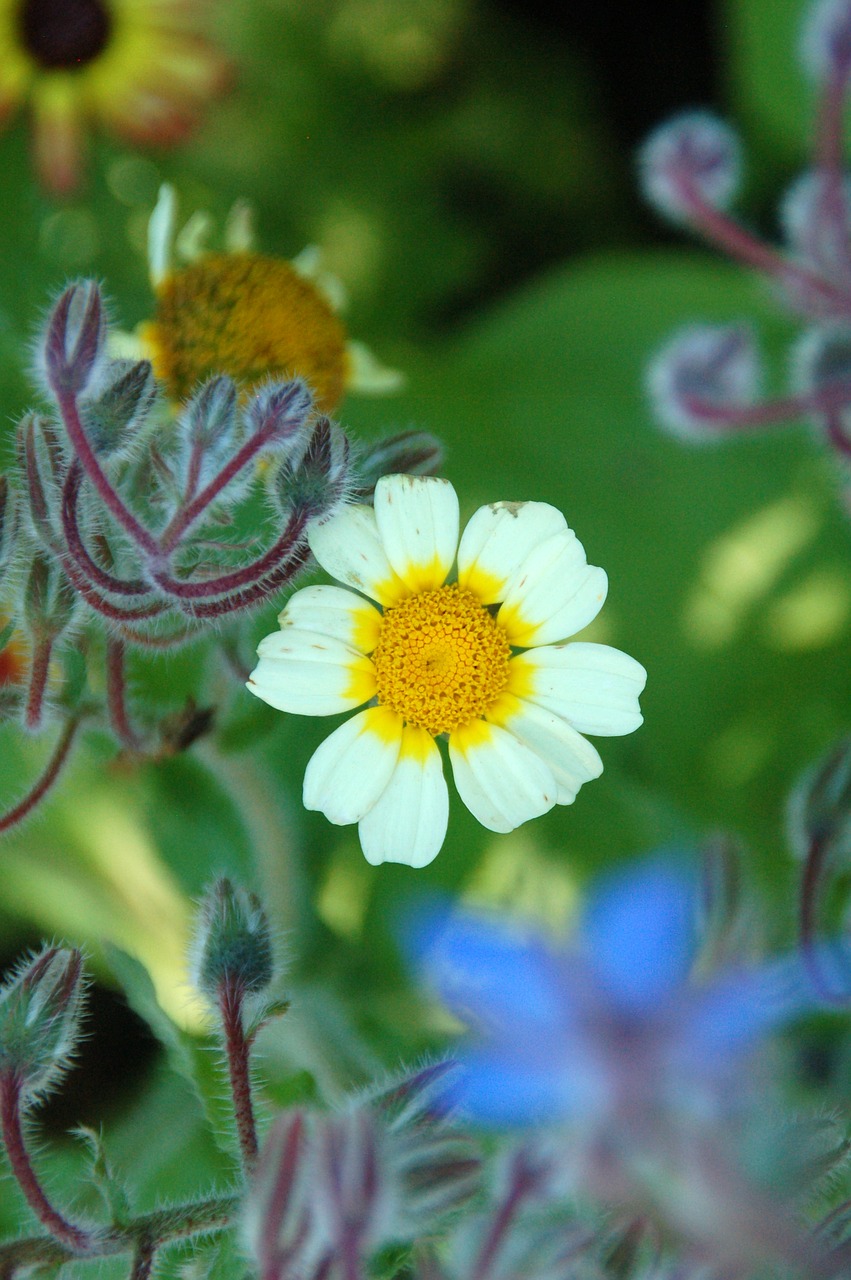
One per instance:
(248,315)
(137,67)
(477,659)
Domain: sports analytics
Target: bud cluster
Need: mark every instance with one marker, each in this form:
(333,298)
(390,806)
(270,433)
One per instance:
(150,521)
(333,1189)
(704,382)
(40,1008)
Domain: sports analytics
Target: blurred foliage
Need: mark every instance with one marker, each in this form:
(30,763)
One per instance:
(445,158)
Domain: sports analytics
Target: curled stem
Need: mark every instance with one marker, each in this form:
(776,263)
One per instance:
(280,550)
(73,1237)
(54,767)
(77,548)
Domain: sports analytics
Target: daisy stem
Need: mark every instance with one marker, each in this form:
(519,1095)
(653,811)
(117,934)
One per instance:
(54,767)
(116,689)
(39,672)
(729,236)
(237,1048)
(73,1237)
(143,538)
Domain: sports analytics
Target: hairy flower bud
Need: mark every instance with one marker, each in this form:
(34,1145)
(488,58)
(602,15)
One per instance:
(279,410)
(413,453)
(701,378)
(277,1218)
(49,599)
(40,1009)
(315,480)
(814,223)
(115,416)
(692,157)
(233,942)
(74,338)
(825,46)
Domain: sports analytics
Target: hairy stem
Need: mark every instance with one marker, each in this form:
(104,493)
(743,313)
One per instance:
(77,548)
(74,1238)
(150,1230)
(238,1048)
(524,1178)
(54,767)
(116,690)
(283,574)
(280,550)
(143,538)
(39,672)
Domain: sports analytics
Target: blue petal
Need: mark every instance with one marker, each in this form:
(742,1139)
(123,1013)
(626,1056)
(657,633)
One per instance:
(493,974)
(639,933)
(494,1091)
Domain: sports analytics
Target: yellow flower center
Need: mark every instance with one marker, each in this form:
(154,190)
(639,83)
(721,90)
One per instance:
(248,316)
(441,660)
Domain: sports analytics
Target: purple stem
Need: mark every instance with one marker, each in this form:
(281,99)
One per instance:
(73,1237)
(116,689)
(67,403)
(740,244)
(836,433)
(143,1261)
(245,599)
(237,1048)
(524,1178)
(282,548)
(77,548)
(47,779)
(39,672)
(188,514)
(811,886)
(828,399)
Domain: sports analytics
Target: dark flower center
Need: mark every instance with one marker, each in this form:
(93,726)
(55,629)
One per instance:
(64,34)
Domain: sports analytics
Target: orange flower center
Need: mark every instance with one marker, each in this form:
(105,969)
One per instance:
(441,659)
(248,316)
(62,35)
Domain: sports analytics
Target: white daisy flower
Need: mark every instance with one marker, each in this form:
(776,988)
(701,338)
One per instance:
(479,659)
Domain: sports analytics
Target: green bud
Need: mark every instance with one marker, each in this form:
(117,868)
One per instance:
(40,1010)
(49,598)
(116,414)
(8,524)
(233,942)
(315,480)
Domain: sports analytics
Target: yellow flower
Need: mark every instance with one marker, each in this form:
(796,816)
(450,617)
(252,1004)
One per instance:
(246,314)
(139,68)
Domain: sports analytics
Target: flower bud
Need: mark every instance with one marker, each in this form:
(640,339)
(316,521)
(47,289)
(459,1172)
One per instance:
(814,224)
(821,364)
(819,811)
(49,599)
(279,410)
(233,942)
(701,378)
(116,415)
(315,481)
(693,156)
(412,453)
(210,432)
(277,1221)
(74,339)
(825,46)
(40,1009)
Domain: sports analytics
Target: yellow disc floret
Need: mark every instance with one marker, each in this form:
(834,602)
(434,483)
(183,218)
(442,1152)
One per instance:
(248,316)
(441,659)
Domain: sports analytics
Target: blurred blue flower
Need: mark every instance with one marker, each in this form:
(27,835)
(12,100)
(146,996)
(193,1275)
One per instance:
(612,1028)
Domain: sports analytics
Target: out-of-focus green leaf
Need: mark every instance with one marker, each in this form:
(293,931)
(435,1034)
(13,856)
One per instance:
(771,98)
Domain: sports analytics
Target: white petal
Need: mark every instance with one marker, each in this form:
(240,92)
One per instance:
(408,821)
(192,239)
(417,519)
(367,374)
(498,539)
(310,674)
(593,686)
(348,772)
(239,228)
(570,757)
(334,612)
(499,779)
(553,594)
(161,234)
(349,546)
